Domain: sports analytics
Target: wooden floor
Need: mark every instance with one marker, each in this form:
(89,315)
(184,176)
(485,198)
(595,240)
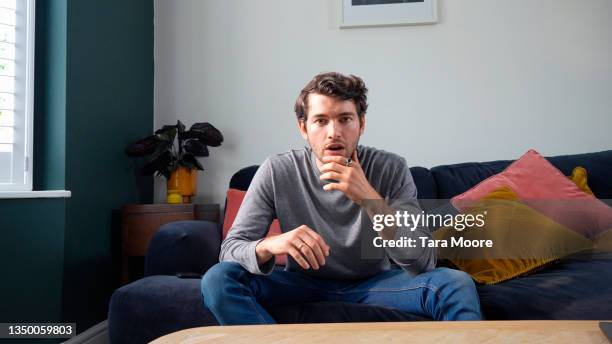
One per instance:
(573,332)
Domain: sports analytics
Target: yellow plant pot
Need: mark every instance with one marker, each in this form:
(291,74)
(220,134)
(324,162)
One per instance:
(183,181)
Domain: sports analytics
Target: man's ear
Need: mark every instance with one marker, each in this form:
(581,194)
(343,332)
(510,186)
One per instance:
(362,124)
(302,127)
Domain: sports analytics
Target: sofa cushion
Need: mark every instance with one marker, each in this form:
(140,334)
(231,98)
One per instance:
(425,183)
(157,305)
(177,247)
(154,306)
(452,180)
(232,205)
(523,240)
(575,288)
(579,177)
(242,179)
(543,187)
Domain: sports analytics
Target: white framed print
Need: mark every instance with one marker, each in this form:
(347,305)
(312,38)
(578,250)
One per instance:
(357,13)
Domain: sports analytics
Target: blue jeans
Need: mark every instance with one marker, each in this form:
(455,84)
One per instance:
(237,297)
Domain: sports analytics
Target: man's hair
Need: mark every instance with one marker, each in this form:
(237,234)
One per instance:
(334,85)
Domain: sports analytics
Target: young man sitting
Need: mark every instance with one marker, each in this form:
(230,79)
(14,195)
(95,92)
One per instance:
(324,197)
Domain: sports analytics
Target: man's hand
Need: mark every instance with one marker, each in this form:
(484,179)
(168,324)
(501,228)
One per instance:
(303,244)
(351,179)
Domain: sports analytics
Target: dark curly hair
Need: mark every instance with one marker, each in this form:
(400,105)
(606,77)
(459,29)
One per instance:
(335,85)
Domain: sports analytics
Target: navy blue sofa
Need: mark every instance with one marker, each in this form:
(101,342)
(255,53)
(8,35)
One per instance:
(576,287)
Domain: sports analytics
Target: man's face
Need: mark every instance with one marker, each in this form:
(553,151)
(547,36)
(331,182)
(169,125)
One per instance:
(332,127)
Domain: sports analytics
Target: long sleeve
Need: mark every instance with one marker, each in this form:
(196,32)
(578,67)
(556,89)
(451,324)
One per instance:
(252,223)
(403,197)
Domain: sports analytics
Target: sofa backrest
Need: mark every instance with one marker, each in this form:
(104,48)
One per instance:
(447,181)
(242,179)
(452,180)
(423,179)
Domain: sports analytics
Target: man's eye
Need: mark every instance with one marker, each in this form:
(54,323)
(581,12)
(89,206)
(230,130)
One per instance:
(320,121)
(346,119)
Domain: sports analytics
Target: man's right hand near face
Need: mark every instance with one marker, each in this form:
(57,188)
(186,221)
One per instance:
(302,243)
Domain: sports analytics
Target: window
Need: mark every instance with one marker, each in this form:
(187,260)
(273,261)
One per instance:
(16,94)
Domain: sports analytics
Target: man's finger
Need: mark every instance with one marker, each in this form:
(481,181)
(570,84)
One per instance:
(354,156)
(315,246)
(297,256)
(333,175)
(306,251)
(334,158)
(334,186)
(332,166)
(311,232)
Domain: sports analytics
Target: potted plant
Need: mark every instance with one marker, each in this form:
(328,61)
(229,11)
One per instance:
(172,152)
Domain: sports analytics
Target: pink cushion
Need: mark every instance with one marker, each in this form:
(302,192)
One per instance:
(234,200)
(543,187)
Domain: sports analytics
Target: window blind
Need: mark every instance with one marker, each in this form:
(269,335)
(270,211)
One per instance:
(16,93)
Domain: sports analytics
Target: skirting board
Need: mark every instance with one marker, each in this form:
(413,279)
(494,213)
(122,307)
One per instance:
(97,334)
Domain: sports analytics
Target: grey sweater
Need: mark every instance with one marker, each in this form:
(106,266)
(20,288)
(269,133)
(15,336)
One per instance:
(287,187)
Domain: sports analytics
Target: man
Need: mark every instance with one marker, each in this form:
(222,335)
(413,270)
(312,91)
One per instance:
(324,197)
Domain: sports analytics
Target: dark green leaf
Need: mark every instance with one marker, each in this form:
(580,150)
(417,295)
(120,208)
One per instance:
(180,126)
(165,129)
(167,135)
(143,147)
(196,148)
(162,148)
(189,161)
(159,164)
(207,134)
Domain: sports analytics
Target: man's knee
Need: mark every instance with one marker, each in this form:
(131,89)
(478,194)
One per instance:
(454,279)
(217,280)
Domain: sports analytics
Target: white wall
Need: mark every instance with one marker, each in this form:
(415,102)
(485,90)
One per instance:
(490,80)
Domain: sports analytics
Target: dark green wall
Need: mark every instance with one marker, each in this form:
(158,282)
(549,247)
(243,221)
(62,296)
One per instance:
(94,94)
(109,103)
(32,254)
(50,96)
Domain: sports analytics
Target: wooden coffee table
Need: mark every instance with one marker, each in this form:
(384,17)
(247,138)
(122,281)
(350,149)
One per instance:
(558,331)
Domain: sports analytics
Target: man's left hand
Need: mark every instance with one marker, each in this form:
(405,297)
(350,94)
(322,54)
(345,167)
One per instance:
(351,179)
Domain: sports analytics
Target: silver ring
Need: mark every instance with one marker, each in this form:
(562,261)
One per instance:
(349,162)
(300,247)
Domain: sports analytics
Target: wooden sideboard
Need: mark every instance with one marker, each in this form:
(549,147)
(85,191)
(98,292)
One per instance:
(139,222)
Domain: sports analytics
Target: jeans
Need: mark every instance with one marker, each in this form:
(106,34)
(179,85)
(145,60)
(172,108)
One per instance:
(237,297)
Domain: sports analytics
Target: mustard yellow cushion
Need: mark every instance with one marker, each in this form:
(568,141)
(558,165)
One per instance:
(579,177)
(523,240)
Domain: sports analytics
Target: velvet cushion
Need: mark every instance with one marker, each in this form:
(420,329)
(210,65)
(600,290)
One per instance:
(154,306)
(242,179)
(522,240)
(157,305)
(455,179)
(178,246)
(425,183)
(579,177)
(233,201)
(578,287)
(544,188)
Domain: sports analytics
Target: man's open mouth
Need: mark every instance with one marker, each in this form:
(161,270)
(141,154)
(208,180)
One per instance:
(334,149)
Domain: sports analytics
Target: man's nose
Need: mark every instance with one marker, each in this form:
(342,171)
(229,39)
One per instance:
(333,130)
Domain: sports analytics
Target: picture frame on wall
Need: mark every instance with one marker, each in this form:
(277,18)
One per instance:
(368,13)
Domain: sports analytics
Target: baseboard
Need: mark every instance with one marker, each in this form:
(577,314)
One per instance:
(97,334)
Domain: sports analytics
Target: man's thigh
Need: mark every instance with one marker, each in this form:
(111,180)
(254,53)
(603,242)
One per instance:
(397,289)
(286,288)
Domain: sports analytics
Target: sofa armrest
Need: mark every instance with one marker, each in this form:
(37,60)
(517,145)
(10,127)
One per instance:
(183,246)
